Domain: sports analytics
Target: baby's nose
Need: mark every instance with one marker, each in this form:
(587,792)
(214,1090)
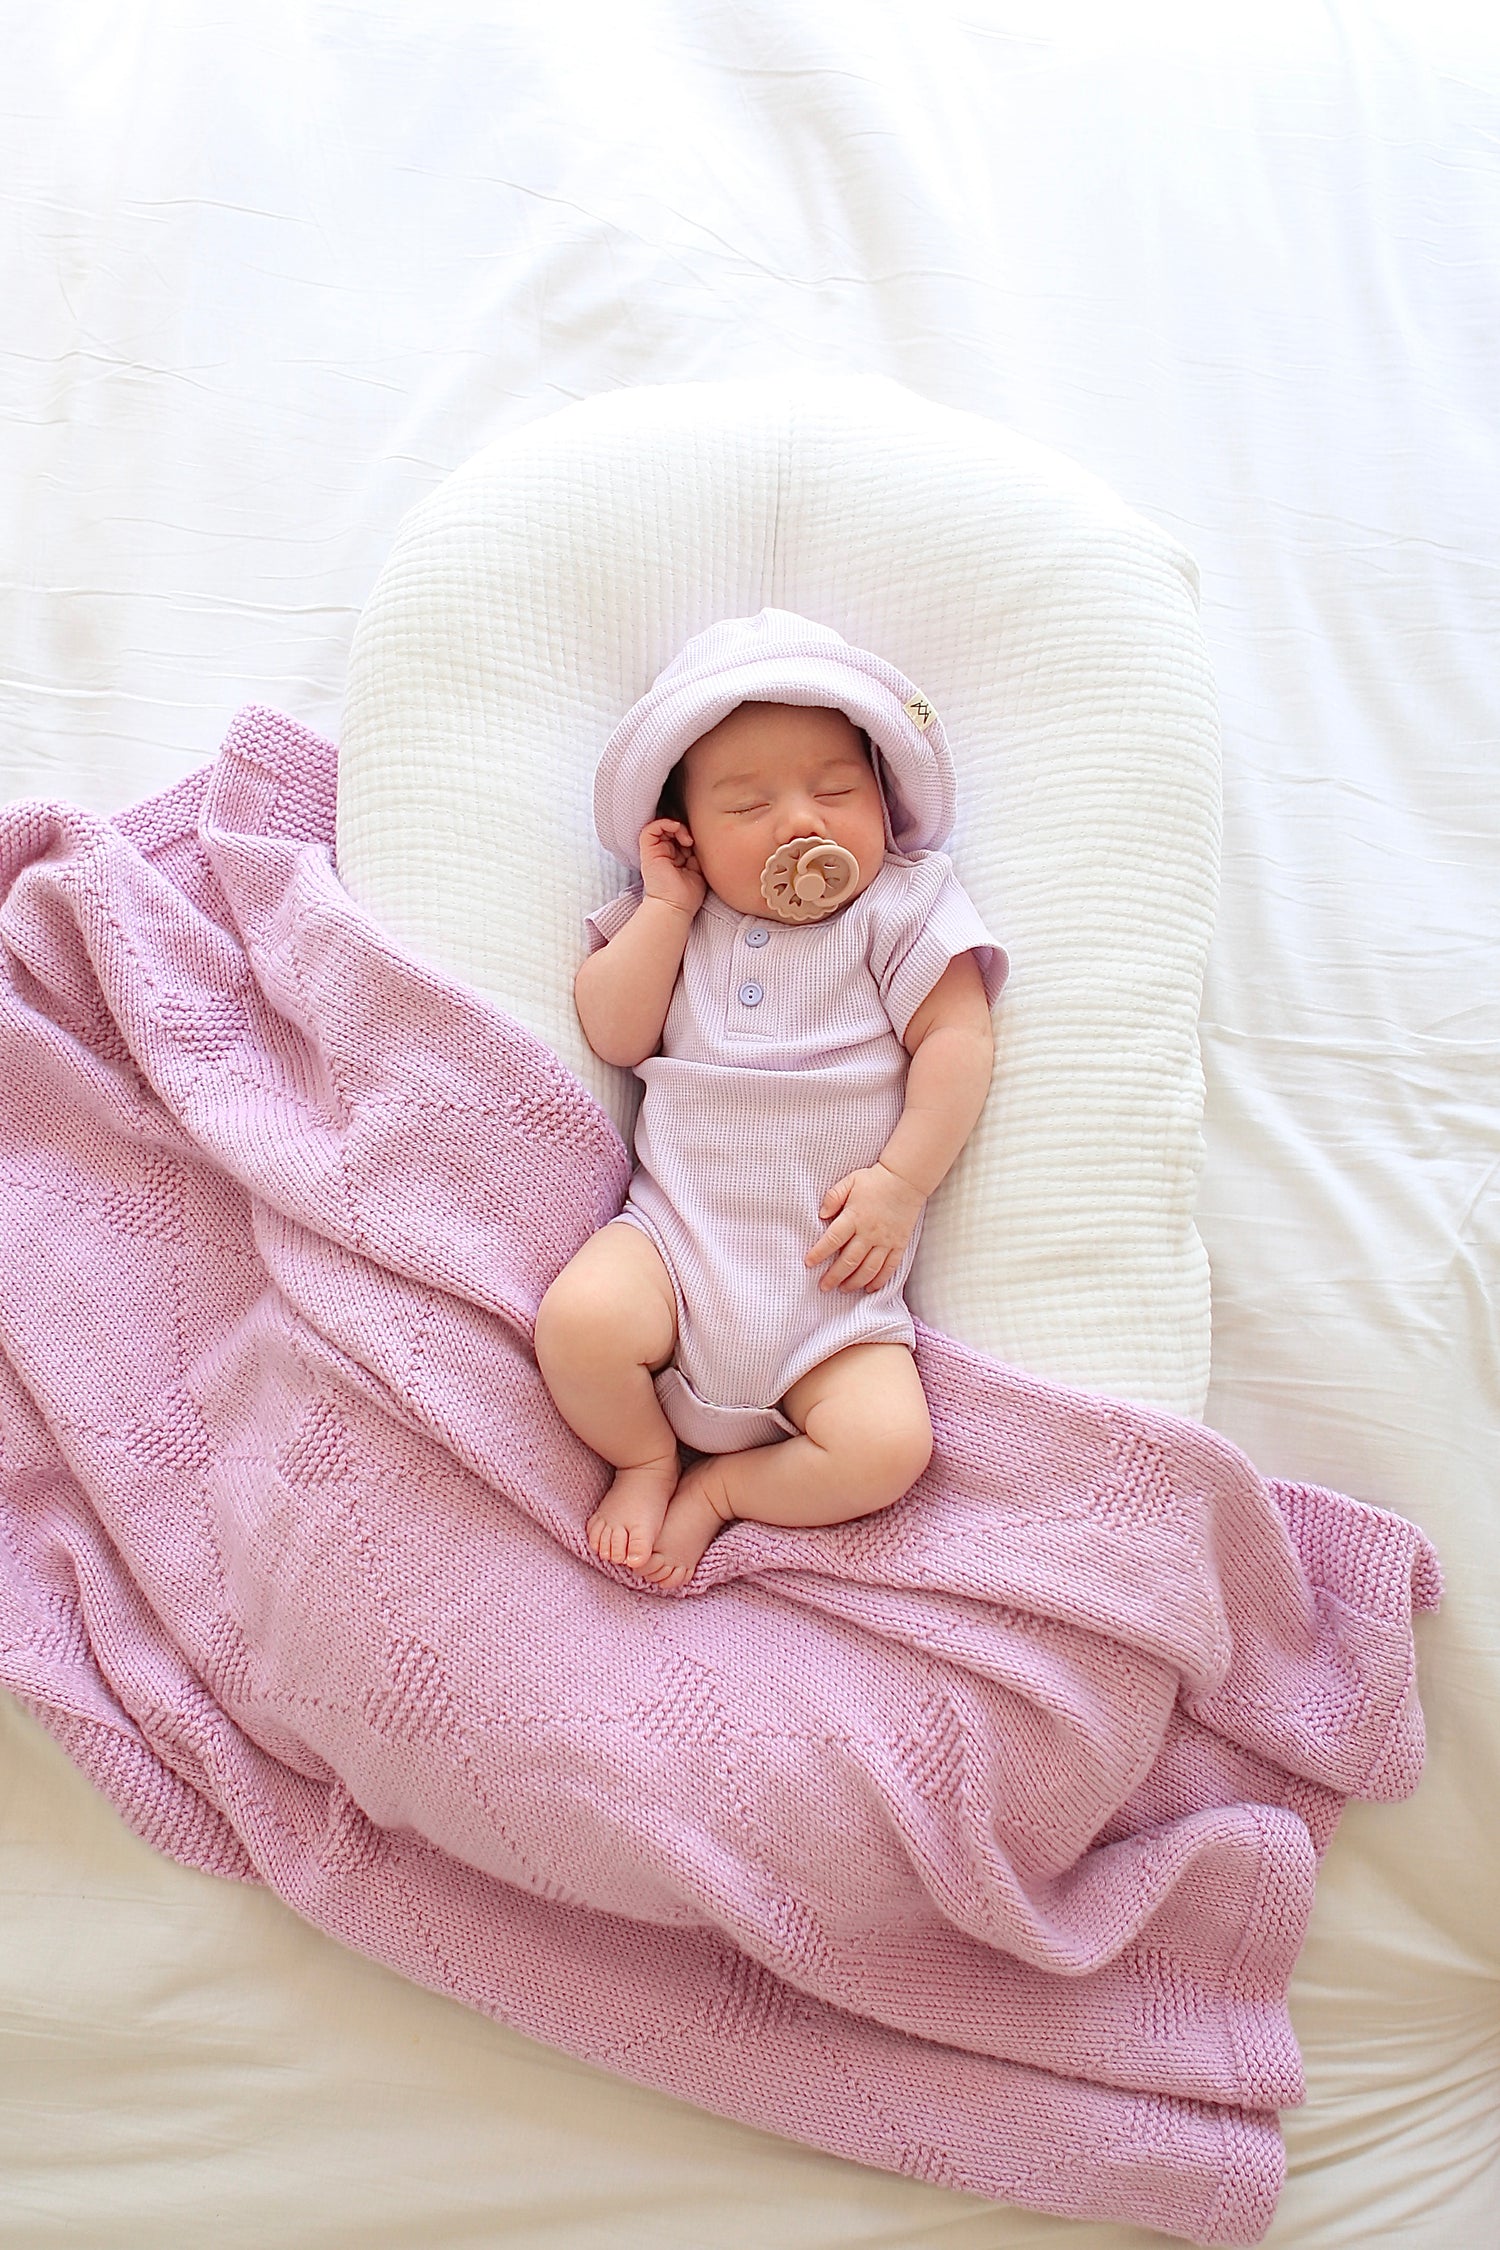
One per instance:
(799,816)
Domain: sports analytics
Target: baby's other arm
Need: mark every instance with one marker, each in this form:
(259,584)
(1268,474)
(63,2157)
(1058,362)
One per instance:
(951,1041)
(869,1215)
(622,992)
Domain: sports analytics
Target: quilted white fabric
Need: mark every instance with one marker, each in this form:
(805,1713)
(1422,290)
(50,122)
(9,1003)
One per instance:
(539,590)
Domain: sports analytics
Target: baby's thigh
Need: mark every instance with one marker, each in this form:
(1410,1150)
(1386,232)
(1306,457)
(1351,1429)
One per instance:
(613,1299)
(867,1402)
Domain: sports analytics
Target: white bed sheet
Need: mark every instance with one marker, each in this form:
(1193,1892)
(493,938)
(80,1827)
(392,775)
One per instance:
(268,277)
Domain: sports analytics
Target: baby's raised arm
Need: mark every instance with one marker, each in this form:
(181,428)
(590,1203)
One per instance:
(622,992)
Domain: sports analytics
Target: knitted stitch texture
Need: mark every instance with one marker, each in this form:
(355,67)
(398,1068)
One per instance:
(975,1840)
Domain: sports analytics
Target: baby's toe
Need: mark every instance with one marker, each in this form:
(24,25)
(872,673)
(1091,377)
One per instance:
(606,1538)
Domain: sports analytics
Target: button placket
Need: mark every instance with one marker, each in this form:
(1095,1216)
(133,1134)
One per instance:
(750,1000)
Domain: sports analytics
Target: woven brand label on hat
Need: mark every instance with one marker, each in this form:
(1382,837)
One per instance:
(921,710)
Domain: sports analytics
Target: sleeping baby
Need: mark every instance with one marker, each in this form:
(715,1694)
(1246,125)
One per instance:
(804,990)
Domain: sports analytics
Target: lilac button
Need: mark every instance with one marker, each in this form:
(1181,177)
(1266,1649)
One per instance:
(757,936)
(752,994)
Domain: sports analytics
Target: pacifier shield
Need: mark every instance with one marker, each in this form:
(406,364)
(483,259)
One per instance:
(807,878)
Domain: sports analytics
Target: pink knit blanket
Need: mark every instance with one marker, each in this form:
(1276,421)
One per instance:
(975,1840)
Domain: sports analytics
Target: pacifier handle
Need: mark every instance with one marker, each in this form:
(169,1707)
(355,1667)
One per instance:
(808,878)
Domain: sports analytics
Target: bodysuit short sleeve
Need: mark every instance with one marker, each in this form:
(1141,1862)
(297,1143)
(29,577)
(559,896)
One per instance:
(607,921)
(928,922)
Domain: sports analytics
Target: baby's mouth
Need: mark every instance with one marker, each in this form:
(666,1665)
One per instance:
(807,878)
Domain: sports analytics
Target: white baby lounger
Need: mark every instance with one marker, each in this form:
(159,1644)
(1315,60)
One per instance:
(532,599)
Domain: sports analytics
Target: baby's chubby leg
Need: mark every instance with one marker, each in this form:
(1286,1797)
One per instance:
(866,1438)
(608,1321)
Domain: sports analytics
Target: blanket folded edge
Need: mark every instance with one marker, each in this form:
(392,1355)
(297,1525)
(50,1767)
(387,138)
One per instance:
(156,1804)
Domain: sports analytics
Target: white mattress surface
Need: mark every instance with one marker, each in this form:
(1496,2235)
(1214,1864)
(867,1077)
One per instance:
(269,278)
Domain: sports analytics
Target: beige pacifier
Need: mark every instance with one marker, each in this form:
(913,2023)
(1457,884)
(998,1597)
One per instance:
(808,878)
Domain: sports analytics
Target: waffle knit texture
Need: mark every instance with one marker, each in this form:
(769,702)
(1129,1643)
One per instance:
(974,1840)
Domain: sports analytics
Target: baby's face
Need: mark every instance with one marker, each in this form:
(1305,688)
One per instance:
(767,773)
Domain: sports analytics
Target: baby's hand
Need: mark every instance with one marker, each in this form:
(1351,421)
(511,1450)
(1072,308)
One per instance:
(669,865)
(873,1212)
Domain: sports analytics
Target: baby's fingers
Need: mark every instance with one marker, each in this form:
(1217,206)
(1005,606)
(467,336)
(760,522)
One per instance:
(863,1275)
(832,1238)
(667,839)
(853,1255)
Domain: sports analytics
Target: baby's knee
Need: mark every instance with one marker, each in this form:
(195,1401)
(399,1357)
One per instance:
(575,1311)
(881,1444)
(594,1313)
(897,1450)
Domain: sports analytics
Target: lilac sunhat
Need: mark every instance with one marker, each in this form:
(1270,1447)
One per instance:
(777,657)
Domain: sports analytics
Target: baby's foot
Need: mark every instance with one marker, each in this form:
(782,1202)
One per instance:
(628,1518)
(697,1509)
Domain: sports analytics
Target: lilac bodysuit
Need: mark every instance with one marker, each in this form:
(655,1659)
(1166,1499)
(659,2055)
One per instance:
(781,1068)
